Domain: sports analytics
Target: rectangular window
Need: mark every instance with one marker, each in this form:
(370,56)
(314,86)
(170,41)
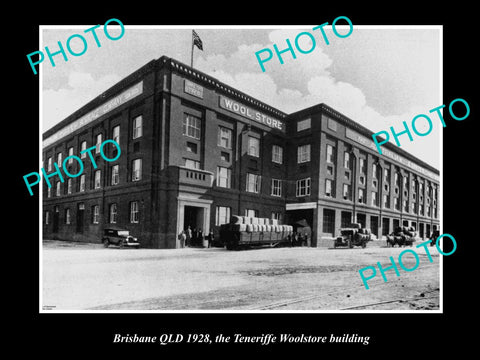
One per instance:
(251,213)
(386,200)
(115,175)
(191,147)
(192,126)
(253,146)
(137,170)
(192,164)
(116,134)
(95,214)
(224,137)
(276,187)
(134,212)
(277,215)
(70,153)
(83,146)
(137,127)
(328,221)
(47,217)
(69,186)
(67,216)
(49,164)
(113,213)
(346,160)
(277,154)
(347,193)
(302,187)
(253,183)
(59,159)
(98,143)
(374,198)
(330,170)
(375,171)
(362,165)
(222,215)
(361,196)
(303,153)
(224,156)
(82,182)
(329,188)
(57,193)
(386,176)
(330,156)
(223,177)
(97,180)
(303,124)
(49,192)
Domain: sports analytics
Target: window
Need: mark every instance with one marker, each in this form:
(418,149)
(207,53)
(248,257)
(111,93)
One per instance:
(137,127)
(47,217)
(276,187)
(67,216)
(116,134)
(375,171)
(361,180)
(69,186)
(251,213)
(396,203)
(330,154)
(95,214)
(374,198)
(277,154)
(386,176)
(303,124)
(59,159)
(98,143)
(330,170)
(49,164)
(303,153)
(57,193)
(224,156)
(362,165)
(49,192)
(386,200)
(224,137)
(191,147)
(346,160)
(253,146)
(134,212)
(192,164)
(82,182)
(328,221)
(137,170)
(191,126)
(113,213)
(347,192)
(70,153)
(97,179)
(303,187)
(222,215)
(277,215)
(405,205)
(329,187)
(361,196)
(253,183)
(223,177)
(347,175)
(83,146)
(115,175)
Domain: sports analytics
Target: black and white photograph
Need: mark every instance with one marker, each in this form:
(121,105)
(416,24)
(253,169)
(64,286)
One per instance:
(207,184)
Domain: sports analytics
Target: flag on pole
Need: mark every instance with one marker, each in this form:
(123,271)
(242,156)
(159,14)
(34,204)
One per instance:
(196,40)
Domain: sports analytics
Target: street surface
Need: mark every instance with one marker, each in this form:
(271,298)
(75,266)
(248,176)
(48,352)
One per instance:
(89,277)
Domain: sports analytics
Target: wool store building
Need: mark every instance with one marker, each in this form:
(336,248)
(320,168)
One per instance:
(195,151)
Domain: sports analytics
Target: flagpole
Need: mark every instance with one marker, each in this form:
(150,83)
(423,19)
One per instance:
(191,59)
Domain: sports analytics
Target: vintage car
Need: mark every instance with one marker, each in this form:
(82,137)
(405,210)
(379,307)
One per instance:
(353,236)
(402,236)
(119,237)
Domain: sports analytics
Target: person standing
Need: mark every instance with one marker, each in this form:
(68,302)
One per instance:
(182,237)
(188,236)
(210,238)
(200,237)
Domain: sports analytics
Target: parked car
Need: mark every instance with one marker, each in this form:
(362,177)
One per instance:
(353,236)
(402,236)
(119,237)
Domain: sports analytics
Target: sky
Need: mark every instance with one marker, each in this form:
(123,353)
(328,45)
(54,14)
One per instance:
(377,76)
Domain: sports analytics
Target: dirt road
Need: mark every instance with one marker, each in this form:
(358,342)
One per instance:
(89,277)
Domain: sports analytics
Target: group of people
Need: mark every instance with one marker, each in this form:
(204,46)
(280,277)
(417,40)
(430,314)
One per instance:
(194,237)
(298,239)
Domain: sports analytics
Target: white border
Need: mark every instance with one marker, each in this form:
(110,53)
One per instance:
(40,242)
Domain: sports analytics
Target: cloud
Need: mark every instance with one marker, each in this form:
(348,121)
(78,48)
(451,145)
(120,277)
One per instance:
(82,88)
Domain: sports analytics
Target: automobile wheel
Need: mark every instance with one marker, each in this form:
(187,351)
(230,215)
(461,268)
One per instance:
(106,243)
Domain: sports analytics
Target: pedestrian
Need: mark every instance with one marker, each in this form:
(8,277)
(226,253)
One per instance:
(182,237)
(200,237)
(188,236)
(295,238)
(210,238)
(194,236)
